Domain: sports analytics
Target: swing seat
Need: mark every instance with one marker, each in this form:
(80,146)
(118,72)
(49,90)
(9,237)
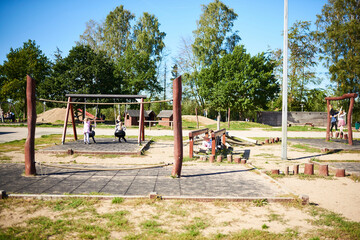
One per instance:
(120,133)
(92,134)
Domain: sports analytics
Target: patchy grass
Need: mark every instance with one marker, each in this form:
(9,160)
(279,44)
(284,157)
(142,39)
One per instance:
(239,125)
(300,129)
(266,155)
(79,218)
(306,148)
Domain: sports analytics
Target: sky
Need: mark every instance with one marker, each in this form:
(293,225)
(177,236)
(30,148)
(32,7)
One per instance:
(59,24)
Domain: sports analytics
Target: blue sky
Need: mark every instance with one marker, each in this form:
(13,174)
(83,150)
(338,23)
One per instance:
(60,23)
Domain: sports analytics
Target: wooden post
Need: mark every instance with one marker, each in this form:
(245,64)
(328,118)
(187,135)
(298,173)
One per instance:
(350,135)
(224,139)
(191,145)
(73,122)
(178,142)
(328,121)
(142,120)
(66,120)
(213,144)
(309,169)
(31,122)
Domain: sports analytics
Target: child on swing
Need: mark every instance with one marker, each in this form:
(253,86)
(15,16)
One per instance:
(341,121)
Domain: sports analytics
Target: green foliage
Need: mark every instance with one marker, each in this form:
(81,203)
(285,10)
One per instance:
(338,35)
(302,60)
(212,39)
(238,81)
(135,48)
(24,60)
(82,71)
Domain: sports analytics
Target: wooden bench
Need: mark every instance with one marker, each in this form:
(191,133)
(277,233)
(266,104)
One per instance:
(193,134)
(215,134)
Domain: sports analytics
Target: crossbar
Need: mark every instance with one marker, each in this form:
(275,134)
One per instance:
(104,96)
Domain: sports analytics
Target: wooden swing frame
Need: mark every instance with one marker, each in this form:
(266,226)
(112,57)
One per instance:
(69,109)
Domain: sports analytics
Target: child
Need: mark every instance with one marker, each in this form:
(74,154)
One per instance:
(341,121)
(120,130)
(206,144)
(92,133)
(87,124)
(333,114)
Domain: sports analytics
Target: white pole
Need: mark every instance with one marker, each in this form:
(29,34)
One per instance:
(285,85)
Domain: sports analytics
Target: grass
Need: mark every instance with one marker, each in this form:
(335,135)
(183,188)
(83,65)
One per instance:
(239,125)
(79,218)
(306,148)
(299,129)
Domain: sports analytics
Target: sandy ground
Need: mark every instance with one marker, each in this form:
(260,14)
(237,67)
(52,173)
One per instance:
(340,195)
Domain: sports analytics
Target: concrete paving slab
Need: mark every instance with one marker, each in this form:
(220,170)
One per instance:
(211,181)
(102,146)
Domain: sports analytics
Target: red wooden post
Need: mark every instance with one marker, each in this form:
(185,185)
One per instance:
(309,169)
(66,120)
(323,170)
(350,135)
(191,146)
(224,139)
(31,122)
(73,122)
(213,144)
(328,121)
(142,120)
(178,142)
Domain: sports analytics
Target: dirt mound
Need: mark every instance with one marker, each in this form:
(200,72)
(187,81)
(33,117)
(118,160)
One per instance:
(202,120)
(51,116)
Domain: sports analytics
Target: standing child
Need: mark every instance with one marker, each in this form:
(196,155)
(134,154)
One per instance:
(341,121)
(87,124)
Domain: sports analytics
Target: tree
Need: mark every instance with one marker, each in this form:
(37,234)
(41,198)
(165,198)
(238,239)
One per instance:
(136,49)
(27,59)
(339,36)
(83,71)
(239,81)
(212,39)
(302,61)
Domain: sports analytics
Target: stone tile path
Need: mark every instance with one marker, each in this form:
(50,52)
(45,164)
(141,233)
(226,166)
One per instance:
(207,181)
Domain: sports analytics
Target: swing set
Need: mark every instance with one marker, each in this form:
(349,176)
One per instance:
(350,96)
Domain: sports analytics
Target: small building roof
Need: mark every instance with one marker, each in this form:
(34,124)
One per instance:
(165,114)
(136,113)
(148,112)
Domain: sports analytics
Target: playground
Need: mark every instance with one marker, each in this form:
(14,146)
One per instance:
(233,168)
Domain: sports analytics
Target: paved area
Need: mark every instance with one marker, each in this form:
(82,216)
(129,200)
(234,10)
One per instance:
(334,144)
(350,167)
(215,181)
(16,133)
(102,146)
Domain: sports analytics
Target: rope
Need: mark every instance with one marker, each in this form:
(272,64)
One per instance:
(93,103)
(102,169)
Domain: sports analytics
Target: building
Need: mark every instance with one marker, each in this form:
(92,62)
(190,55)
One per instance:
(132,117)
(165,117)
